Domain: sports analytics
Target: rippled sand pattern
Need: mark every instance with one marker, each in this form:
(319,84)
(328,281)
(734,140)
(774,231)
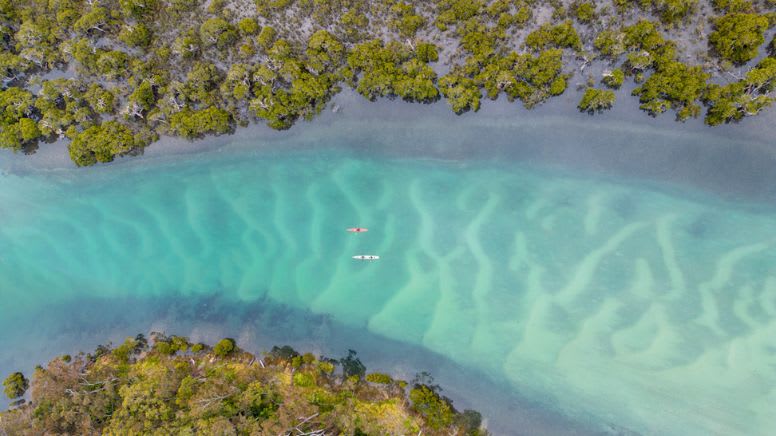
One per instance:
(640,308)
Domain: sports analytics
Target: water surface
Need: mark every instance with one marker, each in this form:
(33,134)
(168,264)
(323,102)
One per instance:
(611,300)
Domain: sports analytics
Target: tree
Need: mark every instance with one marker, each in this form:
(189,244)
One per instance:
(379,378)
(584,12)
(132,390)
(95,22)
(732,5)
(112,64)
(267,37)
(201,82)
(614,78)
(647,47)
(15,103)
(126,350)
(471,421)
(354,24)
(15,385)
(540,77)
(427,52)
(554,36)
(237,84)
(17,128)
(352,366)
(737,37)
(12,67)
(101,143)
(138,35)
(676,86)
(195,123)
(188,45)
(611,43)
(324,51)
(36,41)
(408,21)
(435,409)
(141,100)
(138,8)
(248,26)
(218,32)
(224,347)
(450,12)
(596,100)
(673,11)
(462,93)
(392,69)
(100,99)
(16,136)
(284,352)
(744,97)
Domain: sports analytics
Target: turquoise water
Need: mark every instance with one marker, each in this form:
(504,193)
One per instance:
(604,300)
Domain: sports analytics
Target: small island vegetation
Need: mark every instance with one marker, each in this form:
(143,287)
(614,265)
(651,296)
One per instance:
(112,76)
(169,385)
(596,100)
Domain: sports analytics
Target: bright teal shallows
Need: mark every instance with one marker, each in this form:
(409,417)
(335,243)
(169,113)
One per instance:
(643,308)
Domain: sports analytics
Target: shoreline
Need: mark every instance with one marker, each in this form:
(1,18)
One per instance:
(625,114)
(653,150)
(231,63)
(258,326)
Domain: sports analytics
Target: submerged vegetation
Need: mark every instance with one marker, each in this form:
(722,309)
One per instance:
(172,386)
(113,75)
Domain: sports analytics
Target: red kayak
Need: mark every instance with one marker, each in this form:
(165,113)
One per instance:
(357,230)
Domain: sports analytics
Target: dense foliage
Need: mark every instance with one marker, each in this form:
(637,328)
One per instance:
(111,76)
(175,387)
(737,37)
(596,100)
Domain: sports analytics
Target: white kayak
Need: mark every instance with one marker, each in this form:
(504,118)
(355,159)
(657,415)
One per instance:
(366,257)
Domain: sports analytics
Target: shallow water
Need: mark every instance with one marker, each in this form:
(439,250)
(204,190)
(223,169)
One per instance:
(613,302)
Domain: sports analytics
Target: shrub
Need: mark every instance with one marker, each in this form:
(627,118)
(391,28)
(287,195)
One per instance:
(596,100)
(436,410)
(737,37)
(380,378)
(224,347)
(613,79)
(15,385)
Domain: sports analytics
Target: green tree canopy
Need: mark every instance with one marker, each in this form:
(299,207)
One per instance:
(139,8)
(674,11)
(737,37)
(137,36)
(15,385)
(614,78)
(95,22)
(218,32)
(17,128)
(436,409)
(196,123)
(177,389)
(101,143)
(744,97)
(224,347)
(554,36)
(675,85)
(596,100)
(390,70)
(462,93)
